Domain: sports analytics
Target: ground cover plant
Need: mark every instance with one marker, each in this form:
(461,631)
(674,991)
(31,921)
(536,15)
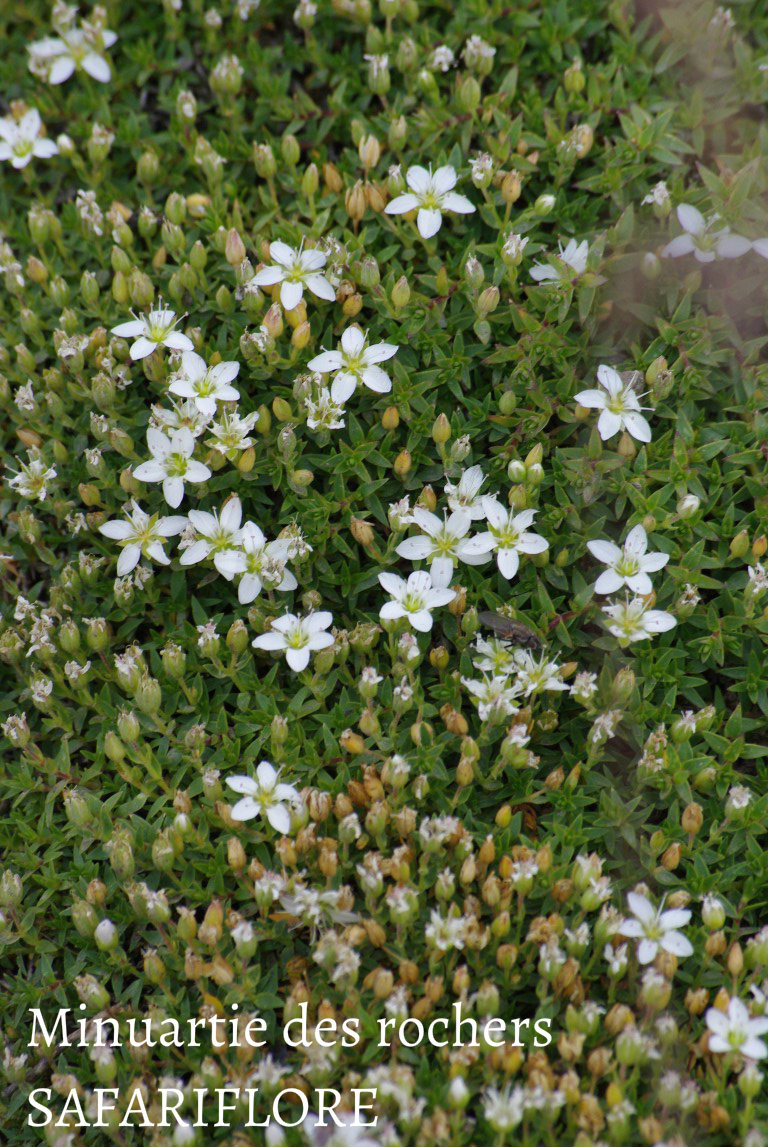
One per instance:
(382,538)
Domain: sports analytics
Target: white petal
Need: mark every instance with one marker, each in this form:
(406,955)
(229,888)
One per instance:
(279,817)
(245,809)
(319,285)
(97,67)
(241,784)
(116,529)
(298,659)
(458,203)
(401,204)
(690,219)
(268,276)
(128,560)
(61,69)
(325,362)
(682,245)
(508,562)
(343,387)
(604,551)
(142,348)
(418,179)
(376,379)
(608,582)
(428,221)
(291,294)
(352,341)
(282,253)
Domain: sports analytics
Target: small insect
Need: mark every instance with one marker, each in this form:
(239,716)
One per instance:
(509,630)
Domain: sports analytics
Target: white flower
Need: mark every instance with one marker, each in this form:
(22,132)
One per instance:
(20,141)
(295,270)
(141,534)
(658,196)
(355,362)
(431,194)
(655,929)
(444,542)
(534,676)
(151,331)
(322,412)
(444,932)
(442,58)
(573,255)
(215,534)
(259,562)
(205,386)
(297,637)
(172,463)
(735,1030)
(628,566)
(508,535)
(33,477)
(465,494)
(56,58)
(495,696)
(179,414)
(231,433)
(634,621)
(413,599)
(504,1108)
(702,238)
(618,404)
(495,657)
(264,796)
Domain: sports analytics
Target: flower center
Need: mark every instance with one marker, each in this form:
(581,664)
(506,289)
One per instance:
(298,638)
(627,565)
(176,465)
(413,602)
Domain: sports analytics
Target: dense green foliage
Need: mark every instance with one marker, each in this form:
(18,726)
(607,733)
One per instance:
(128,702)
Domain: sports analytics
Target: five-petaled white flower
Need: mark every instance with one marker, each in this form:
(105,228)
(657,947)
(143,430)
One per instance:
(465,494)
(139,533)
(430,194)
(259,562)
(444,542)
(264,795)
(627,566)
(618,404)
(413,599)
(295,270)
(355,362)
(509,536)
(172,463)
(205,386)
(735,1030)
(572,257)
(151,331)
(634,621)
(21,140)
(532,676)
(495,696)
(704,239)
(215,534)
(297,637)
(655,929)
(57,57)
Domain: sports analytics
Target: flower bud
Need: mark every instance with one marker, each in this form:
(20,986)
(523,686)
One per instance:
(105,936)
(401,293)
(687,506)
